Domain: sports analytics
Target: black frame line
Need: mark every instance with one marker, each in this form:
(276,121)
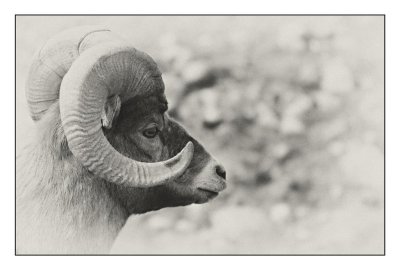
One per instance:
(195,15)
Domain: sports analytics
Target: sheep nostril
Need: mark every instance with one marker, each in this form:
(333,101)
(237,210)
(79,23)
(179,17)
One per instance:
(220,171)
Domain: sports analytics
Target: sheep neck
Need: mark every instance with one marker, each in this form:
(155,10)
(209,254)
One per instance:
(61,207)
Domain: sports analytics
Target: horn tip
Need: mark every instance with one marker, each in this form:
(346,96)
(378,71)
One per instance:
(187,154)
(188,149)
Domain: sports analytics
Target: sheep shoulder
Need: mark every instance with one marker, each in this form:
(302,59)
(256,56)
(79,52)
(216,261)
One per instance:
(59,203)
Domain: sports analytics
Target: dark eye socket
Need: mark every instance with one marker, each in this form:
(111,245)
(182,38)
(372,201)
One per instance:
(150,132)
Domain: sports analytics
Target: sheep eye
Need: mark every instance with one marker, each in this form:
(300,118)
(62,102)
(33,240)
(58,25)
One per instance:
(150,132)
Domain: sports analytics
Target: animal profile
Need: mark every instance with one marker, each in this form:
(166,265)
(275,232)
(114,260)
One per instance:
(103,147)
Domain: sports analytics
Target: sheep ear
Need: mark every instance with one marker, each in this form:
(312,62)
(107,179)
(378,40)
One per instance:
(110,111)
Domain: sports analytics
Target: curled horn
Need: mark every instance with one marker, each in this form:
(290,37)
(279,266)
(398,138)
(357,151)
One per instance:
(82,68)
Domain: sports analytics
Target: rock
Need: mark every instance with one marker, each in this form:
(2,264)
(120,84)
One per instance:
(263,177)
(184,225)
(302,234)
(159,222)
(293,114)
(298,106)
(280,212)
(174,88)
(218,244)
(309,75)
(290,36)
(336,148)
(195,213)
(301,211)
(280,150)
(326,102)
(174,54)
(212,114)
(265,116)
(291,126)
(276,190)
(372,201)
(329,131)
(336,191)
(363,165)
(337,77)
(195,71)
(234,222)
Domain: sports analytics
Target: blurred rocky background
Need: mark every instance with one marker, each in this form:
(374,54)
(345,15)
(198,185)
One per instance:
(292,106)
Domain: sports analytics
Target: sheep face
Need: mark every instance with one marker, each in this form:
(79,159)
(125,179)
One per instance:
(143,131)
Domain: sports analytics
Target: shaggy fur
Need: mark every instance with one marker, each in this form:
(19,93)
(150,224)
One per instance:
(64,208)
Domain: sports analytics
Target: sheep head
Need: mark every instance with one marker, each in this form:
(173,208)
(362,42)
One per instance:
(145,132)
(113,114)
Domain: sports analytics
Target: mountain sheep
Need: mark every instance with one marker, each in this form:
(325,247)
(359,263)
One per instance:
(103,147)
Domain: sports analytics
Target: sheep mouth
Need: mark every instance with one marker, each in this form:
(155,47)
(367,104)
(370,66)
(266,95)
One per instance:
(208,190)
(211,194)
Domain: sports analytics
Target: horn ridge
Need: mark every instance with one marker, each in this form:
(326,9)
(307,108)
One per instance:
(98,71)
